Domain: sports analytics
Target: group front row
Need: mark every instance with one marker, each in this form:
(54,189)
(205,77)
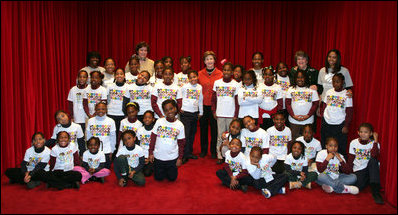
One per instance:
(252,155)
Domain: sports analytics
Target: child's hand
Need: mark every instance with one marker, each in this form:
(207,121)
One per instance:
(344,130)
(330,156)
(349,93)
(305,117)
(27,177)
(318,112)
(146,160)
(302,174)
(121,182)
(234,183)
(313,87)
(338,156)
(223,136)
(179,162)
(91,170)
(131,174)
(376,137)
(215,116)
(151,158)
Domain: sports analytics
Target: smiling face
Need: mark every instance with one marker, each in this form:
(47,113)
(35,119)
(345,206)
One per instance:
(168,76)
(210,61)
(170,111)
(119,76)
(143,78)
(337,83)
(234,128)
(257,61)
(235,145)
(38,141)
(62,118)
(227,71)
(296,150)
(268,77)
(148,119)
(129,140)
(93,146)
(249,123)
(308,134)
(143,52)
(159,68)
(134,65)
(185,65)
(247,79)
(109,66)
(279,121)
(193,78)
(365,133)
(282,70)
(302,62)
(332,59)
(300,80)
(255,156)
(63,139)
(100,109)
(131,112)
(95,80)
(238,74)
(82,78)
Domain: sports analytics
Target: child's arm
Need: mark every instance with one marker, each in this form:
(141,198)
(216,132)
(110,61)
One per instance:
(152,147)
(155,106)
(101,166)
(322,166)
(179,105)
(375,152)
(348,118)
(322,108)
(23,166)
(112,138)
(201,104)
(119,134)
(85,165)
(236,107)
(181,145)
(70,108)
(313,109)
(344,166)
(86,109)
(288,102)
(76,159)
(280,104)
(288,169)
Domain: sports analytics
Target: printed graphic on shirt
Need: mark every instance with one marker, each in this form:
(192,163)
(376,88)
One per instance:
(362,154)
(276,140)
(252,142)
(33,161)
(299,96)
(309,152)
(168,132)
(335,101)
(297,166)
(100,130)
(73,137)
(65,157)
(116,94)
(266,171)
(234,166)
(79,97)
(284,85)
(225,91)
(167,94)
(132,159)
(332,168)
(181,81)
(250,94)
(139,94)
(93,98)
(131,81)
(93,163)
(125,128)
(145,140)
(193,94)
(269,93)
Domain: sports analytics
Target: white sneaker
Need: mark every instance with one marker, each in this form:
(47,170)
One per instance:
(266,193)
(351,189)
(327,188)
(282,190)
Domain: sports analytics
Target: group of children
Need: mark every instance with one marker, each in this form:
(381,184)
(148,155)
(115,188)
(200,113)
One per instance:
(147,125)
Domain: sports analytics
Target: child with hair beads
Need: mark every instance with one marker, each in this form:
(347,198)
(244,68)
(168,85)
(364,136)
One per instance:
(329,163)
(74,130)
(301,103)
(93,61)
(249,96)
(263,178)
(63,158)
(234,172)
(296,167)
(104,128)
(283,80)
(75,100)
(312,146)
(272,99)
(167,143)
(130,122)
(94,94)
(134,65)
(337,111)
(109,76)
(182,78)
(279,136)
(129,161)
(158,77)
(239,70)
(33,165)
(164,91)
(363,157)
(234,131)
(144,138)
(116,92)
(252,135)
(224,102)
(140,92)
(168,62)
(257,61)
(93,164)
(191,110)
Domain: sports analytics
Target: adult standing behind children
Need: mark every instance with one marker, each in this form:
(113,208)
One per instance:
(142,50)
(207,77)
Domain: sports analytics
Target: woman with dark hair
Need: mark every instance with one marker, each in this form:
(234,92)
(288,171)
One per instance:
(142,50)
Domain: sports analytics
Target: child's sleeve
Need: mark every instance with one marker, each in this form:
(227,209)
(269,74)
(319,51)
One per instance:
(181,141)
(113,136)
(349,112)
(155,106)
(80,140)
(321,163)
(70,101)
(88,133)
(375,151)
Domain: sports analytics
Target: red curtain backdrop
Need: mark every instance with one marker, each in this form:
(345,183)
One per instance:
(44,44)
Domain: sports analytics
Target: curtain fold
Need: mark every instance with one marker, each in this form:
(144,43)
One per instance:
(44,44)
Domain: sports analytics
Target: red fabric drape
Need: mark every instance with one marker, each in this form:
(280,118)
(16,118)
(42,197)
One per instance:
(44,44)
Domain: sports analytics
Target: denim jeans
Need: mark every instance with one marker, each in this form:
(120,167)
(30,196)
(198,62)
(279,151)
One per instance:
(338,183)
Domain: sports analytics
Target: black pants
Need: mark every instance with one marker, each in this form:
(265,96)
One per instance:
(204,127)
(190,121)
(117,120)
(267,123)
(279,167)
(83,125)
(334,131)
(165,169)
(148,169)
(108,161)
(371,174)
(60,179)
(17,176)
(273,186)
(222,174)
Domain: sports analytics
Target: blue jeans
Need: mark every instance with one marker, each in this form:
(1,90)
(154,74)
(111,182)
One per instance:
(338,183)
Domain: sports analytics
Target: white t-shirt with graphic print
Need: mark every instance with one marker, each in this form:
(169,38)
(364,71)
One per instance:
(311,148)
(33,158)
(64,157)
(278,141)
(302,98)
(336,104)
(333,166)
(361,153)
(166,146)
(94,97)
(94,160)
(225,93)
(251,139)
(76,96)
(236,164)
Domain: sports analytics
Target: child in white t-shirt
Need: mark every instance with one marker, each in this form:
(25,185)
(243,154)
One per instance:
(182,78)
(103,127)
(252,135)
(116,92)
(249,96)
(129,161)
(158,76)
(312,146)
(363,157)
(259,167)
(109,75)
(34,164)
(301,103)
(329,163)
(296,167)
(134,65)
(167,143)
(144,139)
(93,163)
(129,123)
(239,70)
(234,131)
(75,100)
(94,93)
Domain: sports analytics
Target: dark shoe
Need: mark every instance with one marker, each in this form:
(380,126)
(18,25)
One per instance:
(184,160)
(220,161)
(193,157)
(32,184)
(76,185)
(101,180)
(202,155)
(213,156)
(244,188)
(377,198)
